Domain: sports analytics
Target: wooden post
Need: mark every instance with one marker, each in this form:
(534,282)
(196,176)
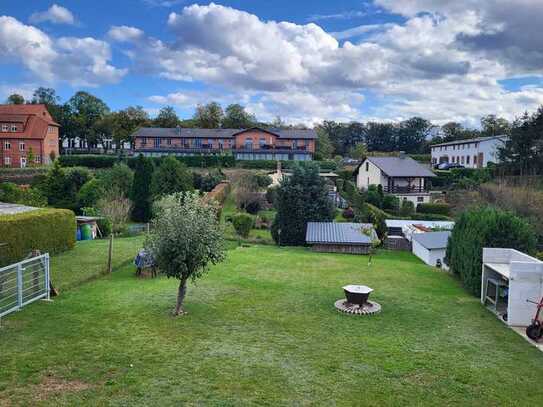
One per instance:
(109,266)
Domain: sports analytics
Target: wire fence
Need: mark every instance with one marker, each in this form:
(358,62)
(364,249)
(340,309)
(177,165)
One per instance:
(23,283)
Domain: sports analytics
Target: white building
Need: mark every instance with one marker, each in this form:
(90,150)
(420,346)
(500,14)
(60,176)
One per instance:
(70,145)
(431,247)
(401,176)
(471,153)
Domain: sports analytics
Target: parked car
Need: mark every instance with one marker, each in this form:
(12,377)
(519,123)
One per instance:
(448,166)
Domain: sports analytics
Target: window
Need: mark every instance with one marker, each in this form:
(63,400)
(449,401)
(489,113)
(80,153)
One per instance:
(294,144)
(50,129)
(22,146)
(5,127)
(474,160)
(7,145)
(7,161)
(467,159)
(262,142)
(13,127)
(248,144)
(157,142)
(37,159)
(462,159)
(143,141)
(367,166)
(420,199)
(169,141)
(197,143)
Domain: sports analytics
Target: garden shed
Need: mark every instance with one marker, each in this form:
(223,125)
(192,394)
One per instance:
(353,238)
(510,279)
(430,247)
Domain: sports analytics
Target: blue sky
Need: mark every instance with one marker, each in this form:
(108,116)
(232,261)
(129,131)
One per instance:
(303,61)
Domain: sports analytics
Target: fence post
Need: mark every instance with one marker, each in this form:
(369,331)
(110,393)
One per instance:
(47,285)
(19,285)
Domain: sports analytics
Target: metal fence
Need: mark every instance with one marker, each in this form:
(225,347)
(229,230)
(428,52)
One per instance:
(24,282)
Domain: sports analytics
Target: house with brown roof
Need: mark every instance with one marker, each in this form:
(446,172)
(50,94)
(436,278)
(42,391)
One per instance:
(27,133)
(246,144)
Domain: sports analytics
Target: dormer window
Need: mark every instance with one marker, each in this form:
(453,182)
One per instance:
(5,127)
(13,127)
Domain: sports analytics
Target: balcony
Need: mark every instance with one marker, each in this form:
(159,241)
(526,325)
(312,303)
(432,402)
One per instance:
(396,189)
(271,148)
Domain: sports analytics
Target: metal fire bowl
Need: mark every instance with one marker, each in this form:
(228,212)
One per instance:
(369,308)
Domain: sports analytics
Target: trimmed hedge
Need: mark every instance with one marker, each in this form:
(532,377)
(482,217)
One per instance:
(107,161)
(434,208)
(88,160)
(485,227)
(48,230)
(326,165)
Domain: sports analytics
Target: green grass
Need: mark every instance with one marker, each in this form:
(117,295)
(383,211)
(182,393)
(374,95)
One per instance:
(262,330)
(88,260)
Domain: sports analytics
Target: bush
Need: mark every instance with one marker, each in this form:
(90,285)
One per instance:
(434,208)
(485,227)
(254,205)
(262,180)
(375,216)
(47,230)
(89,193)
(348,213)
(210,180)
(243,223)
(170,177)
(219,193)
(118,178)
(11,193)
(391,203)
(407,208)
(326,165)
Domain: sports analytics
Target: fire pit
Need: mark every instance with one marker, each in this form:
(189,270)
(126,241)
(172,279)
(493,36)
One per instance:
(357,301)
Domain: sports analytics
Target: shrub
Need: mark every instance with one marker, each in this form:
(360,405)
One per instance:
(219,193)
(119,178)
(243,223)
(255,204)
(348,213)
(485,227)
(89,193)
(391,203)
(11,193)
(211,180)
(326,165)
(434,208)
(375,216)
(262,180)
(47,230)
(141,190)
(407,208)
(171,177)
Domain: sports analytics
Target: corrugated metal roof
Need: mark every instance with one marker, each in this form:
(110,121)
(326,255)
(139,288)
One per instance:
(400,167)
(339,233)
(432,240)
(221,133)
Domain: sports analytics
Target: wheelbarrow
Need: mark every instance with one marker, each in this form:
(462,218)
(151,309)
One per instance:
(534,331)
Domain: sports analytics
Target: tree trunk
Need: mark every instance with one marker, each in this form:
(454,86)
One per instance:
(180,297)
(109,265)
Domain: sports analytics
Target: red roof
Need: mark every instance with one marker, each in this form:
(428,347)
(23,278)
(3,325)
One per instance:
(35,118)
(36,110)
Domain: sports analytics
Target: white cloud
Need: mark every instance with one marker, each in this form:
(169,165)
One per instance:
(55,14)
(432,65)
(124,33)
(360,30)
(78,61)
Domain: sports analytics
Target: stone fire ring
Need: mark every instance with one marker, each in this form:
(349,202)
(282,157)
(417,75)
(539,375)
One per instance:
(370,308)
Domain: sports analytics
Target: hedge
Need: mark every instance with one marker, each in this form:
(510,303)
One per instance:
(435,208)
(485,227)
(48,230)
(219,193)
(326,165)
(88,160)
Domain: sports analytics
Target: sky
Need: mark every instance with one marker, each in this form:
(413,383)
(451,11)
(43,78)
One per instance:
(305,61)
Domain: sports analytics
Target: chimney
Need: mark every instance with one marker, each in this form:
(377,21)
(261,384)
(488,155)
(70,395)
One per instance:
(402,155)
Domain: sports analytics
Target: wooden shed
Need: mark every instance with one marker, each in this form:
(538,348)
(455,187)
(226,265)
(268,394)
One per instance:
(351,238)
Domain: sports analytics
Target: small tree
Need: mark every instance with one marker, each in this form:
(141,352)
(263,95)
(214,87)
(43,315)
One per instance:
(185,239)
(302,197)
(141,190)
(171,177)
(407,208)
(115,207)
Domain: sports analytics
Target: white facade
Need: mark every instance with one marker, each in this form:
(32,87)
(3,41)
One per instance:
(474,153)
(371,174)
(80,144)
(429,256)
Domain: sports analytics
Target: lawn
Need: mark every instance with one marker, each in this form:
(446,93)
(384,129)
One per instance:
(262,330)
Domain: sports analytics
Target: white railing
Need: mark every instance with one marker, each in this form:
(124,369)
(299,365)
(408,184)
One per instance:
(24,282)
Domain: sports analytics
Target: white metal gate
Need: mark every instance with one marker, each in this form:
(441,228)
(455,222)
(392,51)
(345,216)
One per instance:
(24,282)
